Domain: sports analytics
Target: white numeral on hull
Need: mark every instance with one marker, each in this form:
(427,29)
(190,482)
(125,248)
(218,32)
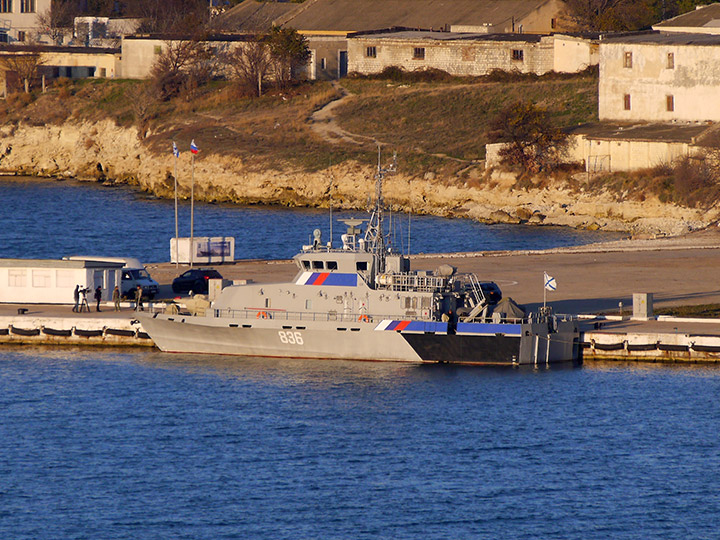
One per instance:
(291,338)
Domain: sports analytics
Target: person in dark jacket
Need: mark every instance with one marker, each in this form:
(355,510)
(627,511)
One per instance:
(98,297)
(76,296)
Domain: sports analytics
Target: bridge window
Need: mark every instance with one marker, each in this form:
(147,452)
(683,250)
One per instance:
(306,265)
(332,265)
(317,265)
(361,266)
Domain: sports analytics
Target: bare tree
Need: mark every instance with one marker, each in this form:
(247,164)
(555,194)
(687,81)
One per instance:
(24,64)
(289,51)
(56,20)
(183,64)
(249,64)
(142,100)
(531,140)
(613,15)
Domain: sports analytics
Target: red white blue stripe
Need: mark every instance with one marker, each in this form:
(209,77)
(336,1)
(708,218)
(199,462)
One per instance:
(193,148)
(328,278)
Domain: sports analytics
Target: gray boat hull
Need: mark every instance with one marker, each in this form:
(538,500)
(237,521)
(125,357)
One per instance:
(399,341)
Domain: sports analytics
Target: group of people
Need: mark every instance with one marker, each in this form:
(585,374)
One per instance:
(80,297)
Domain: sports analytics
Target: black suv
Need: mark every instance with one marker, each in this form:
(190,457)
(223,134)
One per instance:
(491,291)
(195,280)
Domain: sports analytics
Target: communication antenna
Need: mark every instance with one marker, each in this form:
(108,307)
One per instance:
(330,191)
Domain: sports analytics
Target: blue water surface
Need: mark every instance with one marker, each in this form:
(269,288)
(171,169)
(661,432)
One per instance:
(53,219)
(145,445)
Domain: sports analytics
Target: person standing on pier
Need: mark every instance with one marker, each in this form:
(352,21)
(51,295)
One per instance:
(76,296)
(138,299)
(98,297)
(116,297)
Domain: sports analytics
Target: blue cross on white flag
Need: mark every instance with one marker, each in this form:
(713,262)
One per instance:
(176,152)
(550,283)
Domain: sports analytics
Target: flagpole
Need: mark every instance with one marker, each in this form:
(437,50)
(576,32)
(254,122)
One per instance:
(545,289)
(192,208)
(177,252)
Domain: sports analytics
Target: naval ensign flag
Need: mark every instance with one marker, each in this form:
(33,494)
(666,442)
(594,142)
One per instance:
(549,285)
(549,281)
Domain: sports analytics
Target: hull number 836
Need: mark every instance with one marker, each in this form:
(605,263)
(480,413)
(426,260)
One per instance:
(291,338)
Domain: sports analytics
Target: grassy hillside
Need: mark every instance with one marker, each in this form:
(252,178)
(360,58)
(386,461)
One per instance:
(423,121)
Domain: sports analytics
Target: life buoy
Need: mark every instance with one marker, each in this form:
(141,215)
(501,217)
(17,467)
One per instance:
(262,315)
(364,318)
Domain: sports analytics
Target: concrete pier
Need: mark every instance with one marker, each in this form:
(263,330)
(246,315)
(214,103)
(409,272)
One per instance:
(59,325)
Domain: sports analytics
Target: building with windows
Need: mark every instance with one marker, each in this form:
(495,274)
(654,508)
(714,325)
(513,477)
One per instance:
(50,281)
(469,54)
(19,19)
(659,77)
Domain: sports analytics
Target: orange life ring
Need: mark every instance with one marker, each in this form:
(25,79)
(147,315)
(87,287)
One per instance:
(364,318)
(262,315)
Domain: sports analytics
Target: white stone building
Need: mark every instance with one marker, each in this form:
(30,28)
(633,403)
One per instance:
(50,281)
(19,19)
(469,54)
(660,77)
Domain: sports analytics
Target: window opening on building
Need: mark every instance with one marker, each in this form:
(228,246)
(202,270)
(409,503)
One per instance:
(670,103)
(517,54)
(419,53)
(27,6)
(371,52)
(553,23)
(5,6)
(626,100)
(627,60)
(323,63)
(671,60)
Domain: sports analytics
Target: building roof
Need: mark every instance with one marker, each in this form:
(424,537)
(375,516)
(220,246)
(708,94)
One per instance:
(673,132)
(414,35)
(57,263)
(702,17)
(665,38)
(359,15)
(254,16)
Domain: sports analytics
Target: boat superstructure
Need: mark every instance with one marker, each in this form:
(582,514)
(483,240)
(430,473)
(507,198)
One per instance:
(362,301)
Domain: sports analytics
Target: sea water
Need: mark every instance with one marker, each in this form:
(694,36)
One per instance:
(145,445)
(53,219)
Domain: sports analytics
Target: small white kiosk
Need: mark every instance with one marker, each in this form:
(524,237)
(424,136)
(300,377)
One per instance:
(51,281)
(204,250)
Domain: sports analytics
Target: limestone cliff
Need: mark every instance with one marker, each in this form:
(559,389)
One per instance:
(104,151)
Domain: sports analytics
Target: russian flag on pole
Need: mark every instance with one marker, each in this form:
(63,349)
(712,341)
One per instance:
(193,148)
(176,152)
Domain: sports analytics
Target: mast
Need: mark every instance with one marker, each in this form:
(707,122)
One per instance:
(374,236)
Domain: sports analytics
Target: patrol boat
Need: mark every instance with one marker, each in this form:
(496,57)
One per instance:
(363,302)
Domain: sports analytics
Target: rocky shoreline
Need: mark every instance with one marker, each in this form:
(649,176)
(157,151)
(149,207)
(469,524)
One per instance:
(105,152)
